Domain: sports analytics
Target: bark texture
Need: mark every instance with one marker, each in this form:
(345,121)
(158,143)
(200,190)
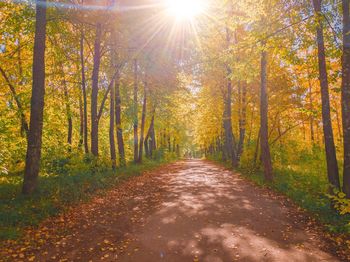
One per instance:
(83,87)
(136,120)
(346,96)
(94,94)
(332,165)
(33,156)
(264,134)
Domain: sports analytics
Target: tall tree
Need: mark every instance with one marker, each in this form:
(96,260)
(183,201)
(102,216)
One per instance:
(111,127)
(143,120)
(264,133)
(68,112)
(346,96)
(94,94)
(242,118)
(332,165)
(37,102)
(83,87)
(118,122)
(135,111)
(227,119)
(150,138)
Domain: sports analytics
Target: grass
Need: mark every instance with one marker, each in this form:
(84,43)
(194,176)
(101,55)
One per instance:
(306,184)
(64,182)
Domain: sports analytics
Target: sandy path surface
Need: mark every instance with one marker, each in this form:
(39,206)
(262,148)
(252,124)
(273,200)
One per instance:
(187,211)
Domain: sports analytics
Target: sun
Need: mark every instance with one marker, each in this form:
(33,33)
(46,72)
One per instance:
(185,9)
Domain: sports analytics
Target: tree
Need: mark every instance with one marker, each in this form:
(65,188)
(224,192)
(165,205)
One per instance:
(143,119)
(332,164)
(37,102)
(135,113)
(111,127)
(83,87)
(94,90)
(118,123)
(346,96)
(264,139)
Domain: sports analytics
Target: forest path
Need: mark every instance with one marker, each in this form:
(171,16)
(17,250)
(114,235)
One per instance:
(191,210)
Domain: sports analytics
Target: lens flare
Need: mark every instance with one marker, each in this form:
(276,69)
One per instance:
(185,9)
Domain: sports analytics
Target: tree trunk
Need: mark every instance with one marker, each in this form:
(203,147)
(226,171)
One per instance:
(94,94)
(332,165)
(83,87)
(264,143)
(169,142)
(136,120)
(111,129)
(256,152)
(229,138)
(242,122)
(312,132)
(69,114)
(37,102)
(148,139)
(346,96)
(118,121)
(143,121)
(81,117)
(24,123)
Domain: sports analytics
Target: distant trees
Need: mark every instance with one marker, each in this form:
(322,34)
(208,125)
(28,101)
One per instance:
(89,64)
(299,44)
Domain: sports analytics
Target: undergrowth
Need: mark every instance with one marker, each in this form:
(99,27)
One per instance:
(62,182)
(303,180)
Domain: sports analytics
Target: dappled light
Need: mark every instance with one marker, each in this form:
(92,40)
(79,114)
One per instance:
(208,214)
(174,130)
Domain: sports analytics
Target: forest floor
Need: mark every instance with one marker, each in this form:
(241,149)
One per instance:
(192,210)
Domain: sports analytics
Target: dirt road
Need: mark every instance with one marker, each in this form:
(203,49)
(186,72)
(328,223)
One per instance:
(188,211)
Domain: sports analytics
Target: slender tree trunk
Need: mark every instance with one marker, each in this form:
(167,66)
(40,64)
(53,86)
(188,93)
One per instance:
(83,87)
(256,152)
(346,96)
(242,121)
(149,140)
(229,138)
(81,117)
(111,128)
(37,102)
(169,142)
(136,120)
(69,114)
(94,94)
(312,132)
(339,127)
(24,123)
(164,138)
(118,121)
(264,140)
(332,165)
(143,121)
(153,140)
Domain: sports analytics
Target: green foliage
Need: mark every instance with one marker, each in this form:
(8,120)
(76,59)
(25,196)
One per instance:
(341,203)
(302,177)
(65,181)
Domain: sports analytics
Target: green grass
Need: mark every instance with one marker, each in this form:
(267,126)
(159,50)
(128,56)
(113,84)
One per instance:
(306,184)
(64,182)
